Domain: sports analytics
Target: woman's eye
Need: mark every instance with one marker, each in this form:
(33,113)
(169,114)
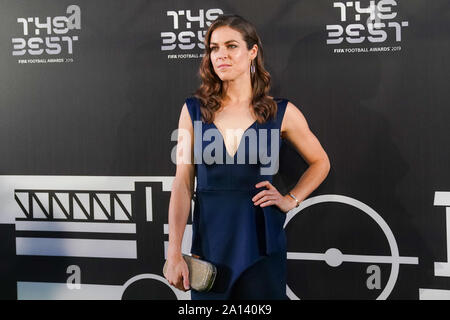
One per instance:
(230,46)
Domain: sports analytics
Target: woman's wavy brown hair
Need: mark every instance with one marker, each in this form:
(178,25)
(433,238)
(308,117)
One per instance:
(211,91)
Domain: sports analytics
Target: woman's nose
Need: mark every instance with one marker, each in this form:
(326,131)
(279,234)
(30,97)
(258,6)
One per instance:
(222,53)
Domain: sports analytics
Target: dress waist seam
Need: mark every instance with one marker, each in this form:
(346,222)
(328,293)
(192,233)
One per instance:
(218,190)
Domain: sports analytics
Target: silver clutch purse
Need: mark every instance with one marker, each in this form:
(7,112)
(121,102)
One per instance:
(201,273)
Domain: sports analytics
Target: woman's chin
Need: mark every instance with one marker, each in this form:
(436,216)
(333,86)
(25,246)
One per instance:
(225,77)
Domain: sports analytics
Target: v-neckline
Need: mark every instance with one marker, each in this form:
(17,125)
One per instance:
(240,140)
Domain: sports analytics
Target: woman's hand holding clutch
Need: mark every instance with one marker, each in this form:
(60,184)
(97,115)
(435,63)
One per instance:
(177,273)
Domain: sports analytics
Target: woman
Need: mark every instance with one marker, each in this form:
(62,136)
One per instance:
(238,213)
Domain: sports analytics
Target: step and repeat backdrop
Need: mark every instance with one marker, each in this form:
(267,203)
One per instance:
(90,96)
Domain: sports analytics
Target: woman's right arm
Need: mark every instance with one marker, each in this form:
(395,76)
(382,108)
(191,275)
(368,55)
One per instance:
(180,202)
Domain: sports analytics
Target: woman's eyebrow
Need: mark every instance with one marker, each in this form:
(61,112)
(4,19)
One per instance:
(225,41)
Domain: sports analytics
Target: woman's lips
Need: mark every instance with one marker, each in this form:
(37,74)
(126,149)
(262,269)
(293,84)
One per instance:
(224,66)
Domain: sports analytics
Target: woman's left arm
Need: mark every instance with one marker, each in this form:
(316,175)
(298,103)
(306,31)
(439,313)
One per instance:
(296,130)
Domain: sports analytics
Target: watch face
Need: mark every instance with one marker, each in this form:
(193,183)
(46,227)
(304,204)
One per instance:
(293,197)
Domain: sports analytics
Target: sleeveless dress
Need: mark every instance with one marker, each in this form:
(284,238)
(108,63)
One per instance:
(246,243)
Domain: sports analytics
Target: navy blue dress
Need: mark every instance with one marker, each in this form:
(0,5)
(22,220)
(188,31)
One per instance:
(247,243)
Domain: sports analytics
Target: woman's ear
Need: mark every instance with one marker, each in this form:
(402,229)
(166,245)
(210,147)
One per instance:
(254,51)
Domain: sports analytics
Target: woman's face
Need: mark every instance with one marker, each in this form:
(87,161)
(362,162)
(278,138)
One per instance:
(229,54)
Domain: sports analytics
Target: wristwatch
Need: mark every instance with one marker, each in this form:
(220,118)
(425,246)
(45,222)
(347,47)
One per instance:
(293,197)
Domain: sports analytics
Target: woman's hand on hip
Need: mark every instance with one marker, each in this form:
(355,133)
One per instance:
(271,196)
